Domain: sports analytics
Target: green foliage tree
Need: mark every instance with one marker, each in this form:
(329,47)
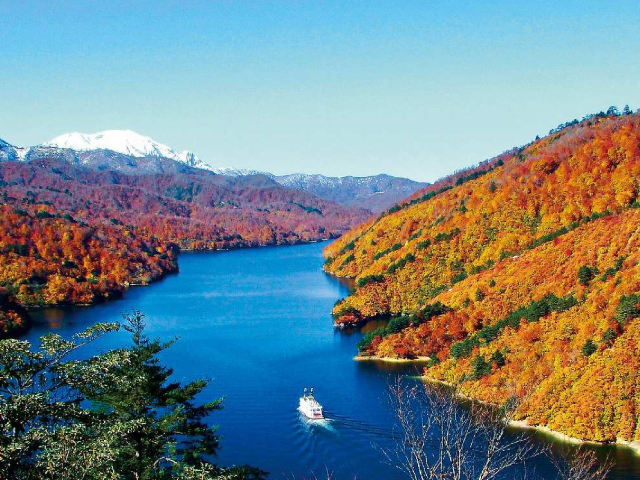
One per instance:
(117,415)
(613,110)
(628,308)
(40,416)
(480,367)
(586,274)
(588,348)
(397,324)
(498,358)
(162,410)
(350,258)
(611,271)
(423,244)
(367,279)
(44,214)
(609,336)
(531,313)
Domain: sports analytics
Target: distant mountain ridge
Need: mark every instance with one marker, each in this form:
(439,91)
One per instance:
(375,193)
(82,225)
(231,210)
(83,148)
(129,152)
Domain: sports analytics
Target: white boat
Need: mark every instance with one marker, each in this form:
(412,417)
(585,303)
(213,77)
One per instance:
(309,406)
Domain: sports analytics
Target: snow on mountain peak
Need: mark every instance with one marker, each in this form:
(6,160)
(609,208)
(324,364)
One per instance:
(238,172)
(126,142)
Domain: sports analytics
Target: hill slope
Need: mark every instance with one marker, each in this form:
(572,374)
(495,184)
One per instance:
(191,207)
(518,279)
(79,227)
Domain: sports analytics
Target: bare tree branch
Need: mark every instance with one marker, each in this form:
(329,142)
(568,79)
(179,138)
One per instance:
(440,440)
(584,465)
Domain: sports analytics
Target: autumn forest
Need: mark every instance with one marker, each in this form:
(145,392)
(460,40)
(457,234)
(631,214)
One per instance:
(517,280)
(77,234)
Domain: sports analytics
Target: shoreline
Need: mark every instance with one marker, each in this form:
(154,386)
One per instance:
(633,446)
(261,245)
(374,358)
(524,425)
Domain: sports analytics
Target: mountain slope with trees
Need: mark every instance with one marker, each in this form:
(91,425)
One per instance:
(518,279)
(82,228)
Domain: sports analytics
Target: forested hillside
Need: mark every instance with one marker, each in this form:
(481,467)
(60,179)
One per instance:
(78,233)
(48,257)
(518,279)
(194,208)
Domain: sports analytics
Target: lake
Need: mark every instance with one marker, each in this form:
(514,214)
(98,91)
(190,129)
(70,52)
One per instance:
(257,322)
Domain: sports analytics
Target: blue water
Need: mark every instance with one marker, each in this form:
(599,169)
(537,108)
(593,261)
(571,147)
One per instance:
(257,323)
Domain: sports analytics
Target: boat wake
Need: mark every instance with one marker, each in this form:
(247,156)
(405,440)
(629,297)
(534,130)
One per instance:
(339,423)
(309,423)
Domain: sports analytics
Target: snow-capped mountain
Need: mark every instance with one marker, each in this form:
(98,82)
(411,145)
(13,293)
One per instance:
(126,142)
(131,153)
(11,152)
(238,172)
(133,144)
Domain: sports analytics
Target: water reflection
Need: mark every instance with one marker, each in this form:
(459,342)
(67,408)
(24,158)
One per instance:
(53,317)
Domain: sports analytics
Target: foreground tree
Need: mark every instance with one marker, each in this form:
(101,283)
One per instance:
(584,465)
(440,440)
(113,416)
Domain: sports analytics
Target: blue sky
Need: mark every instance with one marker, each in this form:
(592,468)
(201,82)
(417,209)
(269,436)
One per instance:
(410,88)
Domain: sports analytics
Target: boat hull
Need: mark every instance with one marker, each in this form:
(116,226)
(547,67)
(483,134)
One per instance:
(311,409)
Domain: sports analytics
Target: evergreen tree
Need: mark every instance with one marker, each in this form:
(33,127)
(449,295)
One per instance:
(164,410)
(613,110)
(589,348)
(41,420)
(480,367)
(498,358)
(609,336)
(586,274)
(117,415)
(627,308)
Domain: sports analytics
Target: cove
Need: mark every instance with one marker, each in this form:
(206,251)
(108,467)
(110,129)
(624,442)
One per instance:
(257,323)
